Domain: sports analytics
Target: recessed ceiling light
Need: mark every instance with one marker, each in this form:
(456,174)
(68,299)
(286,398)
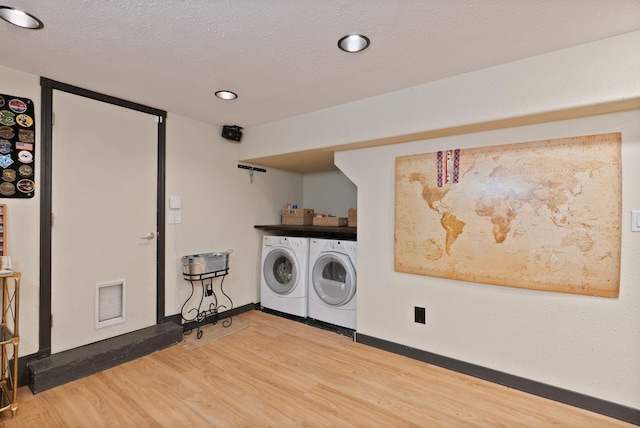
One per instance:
(226,95)
(353,43)
(20,18)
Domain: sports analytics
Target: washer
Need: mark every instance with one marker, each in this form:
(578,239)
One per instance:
(284,274)
(332,281)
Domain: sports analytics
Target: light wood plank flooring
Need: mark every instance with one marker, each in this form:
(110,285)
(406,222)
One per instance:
(280,373)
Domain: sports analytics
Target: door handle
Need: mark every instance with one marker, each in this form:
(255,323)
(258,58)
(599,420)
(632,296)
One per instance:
(149,235)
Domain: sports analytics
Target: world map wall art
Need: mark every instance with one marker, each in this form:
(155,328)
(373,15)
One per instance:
(542,215)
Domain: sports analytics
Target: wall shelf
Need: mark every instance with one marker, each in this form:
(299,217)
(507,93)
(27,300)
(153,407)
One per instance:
(346,233)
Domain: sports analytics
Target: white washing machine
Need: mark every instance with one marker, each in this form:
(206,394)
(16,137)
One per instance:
(332,281)
(284,274)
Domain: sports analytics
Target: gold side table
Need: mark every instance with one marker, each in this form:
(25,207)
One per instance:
(9,340)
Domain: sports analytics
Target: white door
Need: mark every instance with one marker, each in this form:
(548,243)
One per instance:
(103,250)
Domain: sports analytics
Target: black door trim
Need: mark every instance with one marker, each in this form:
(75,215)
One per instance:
(47,87)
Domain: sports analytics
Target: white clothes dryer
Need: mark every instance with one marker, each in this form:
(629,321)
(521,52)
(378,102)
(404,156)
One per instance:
(284,274)
(332,281)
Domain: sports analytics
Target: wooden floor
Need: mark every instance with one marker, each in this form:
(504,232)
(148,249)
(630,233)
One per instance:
(280,373)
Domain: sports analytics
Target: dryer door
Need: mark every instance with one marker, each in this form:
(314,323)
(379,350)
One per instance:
(334,279)
(281,270)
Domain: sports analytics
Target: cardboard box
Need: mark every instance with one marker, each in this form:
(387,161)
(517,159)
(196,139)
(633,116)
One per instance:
(353,217)
(330,221)
(297,216)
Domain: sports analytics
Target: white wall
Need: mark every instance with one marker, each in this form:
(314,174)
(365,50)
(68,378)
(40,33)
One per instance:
(329,192)
(220,208)
(23,221)
(584,344)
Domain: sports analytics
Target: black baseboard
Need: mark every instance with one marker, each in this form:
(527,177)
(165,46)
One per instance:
(575,399)
(343,331)
(24,361)
(67,366)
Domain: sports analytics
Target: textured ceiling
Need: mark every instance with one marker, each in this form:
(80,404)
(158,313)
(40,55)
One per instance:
(280,56)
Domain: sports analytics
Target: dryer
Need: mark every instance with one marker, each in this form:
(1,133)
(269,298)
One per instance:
(332,281)
(283,285)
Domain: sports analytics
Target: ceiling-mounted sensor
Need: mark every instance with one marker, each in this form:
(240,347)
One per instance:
(232,132)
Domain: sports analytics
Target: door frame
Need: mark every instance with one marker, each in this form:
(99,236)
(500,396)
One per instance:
(46,163)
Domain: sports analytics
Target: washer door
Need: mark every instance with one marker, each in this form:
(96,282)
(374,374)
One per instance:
(281,270)
(334,279)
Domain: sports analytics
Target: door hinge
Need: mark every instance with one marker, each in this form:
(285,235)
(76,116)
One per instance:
(51,220)
(51,321)
(53,118)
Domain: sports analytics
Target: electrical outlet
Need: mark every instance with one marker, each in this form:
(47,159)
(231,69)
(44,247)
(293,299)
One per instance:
(420,315)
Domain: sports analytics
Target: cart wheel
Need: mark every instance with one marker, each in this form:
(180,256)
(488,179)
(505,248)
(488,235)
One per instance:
(199,334)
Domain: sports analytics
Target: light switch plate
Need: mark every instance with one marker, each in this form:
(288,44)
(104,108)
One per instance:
(635,221)
(175,217)
(175,202)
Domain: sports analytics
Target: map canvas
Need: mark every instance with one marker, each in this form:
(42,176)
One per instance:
(543,215)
